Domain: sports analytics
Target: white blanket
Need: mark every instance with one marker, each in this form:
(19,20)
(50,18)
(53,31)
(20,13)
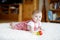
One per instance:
(51,32)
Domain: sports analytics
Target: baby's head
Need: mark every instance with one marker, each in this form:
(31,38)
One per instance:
(37,16)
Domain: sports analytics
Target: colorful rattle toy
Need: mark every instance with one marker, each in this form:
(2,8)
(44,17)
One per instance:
(39,33)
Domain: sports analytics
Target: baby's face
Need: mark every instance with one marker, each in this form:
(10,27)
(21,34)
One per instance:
(37,17)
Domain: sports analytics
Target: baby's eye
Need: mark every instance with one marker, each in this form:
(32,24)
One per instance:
(35,16)
(39,16)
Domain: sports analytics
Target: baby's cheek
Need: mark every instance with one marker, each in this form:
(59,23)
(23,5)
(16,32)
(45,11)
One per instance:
(35,19)
(40,19)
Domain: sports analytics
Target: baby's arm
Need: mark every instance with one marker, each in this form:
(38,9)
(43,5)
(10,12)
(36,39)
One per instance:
(29,27)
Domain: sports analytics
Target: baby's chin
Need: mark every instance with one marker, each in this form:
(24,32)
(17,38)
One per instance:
(39,21)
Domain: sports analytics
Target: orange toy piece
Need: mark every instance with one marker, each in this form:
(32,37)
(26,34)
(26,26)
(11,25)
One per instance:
(40,32)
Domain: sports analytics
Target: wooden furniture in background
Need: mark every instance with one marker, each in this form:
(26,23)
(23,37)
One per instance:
(28,8)
(18,12)
(10,12)
(54,7)
(43,12)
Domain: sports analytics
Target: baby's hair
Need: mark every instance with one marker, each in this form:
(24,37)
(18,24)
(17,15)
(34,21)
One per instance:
(35,12)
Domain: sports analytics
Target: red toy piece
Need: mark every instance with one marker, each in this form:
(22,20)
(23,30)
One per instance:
(40,32)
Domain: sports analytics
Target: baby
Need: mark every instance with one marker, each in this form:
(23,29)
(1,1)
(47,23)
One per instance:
(35,23)
(31,25)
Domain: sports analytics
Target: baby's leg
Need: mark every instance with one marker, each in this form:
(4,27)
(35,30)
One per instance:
(11,24)
(15,25)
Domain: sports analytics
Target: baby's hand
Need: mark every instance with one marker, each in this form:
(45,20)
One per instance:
(29,27)
(40,28)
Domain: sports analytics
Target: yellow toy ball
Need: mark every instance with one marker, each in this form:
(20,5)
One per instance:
(37,33)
